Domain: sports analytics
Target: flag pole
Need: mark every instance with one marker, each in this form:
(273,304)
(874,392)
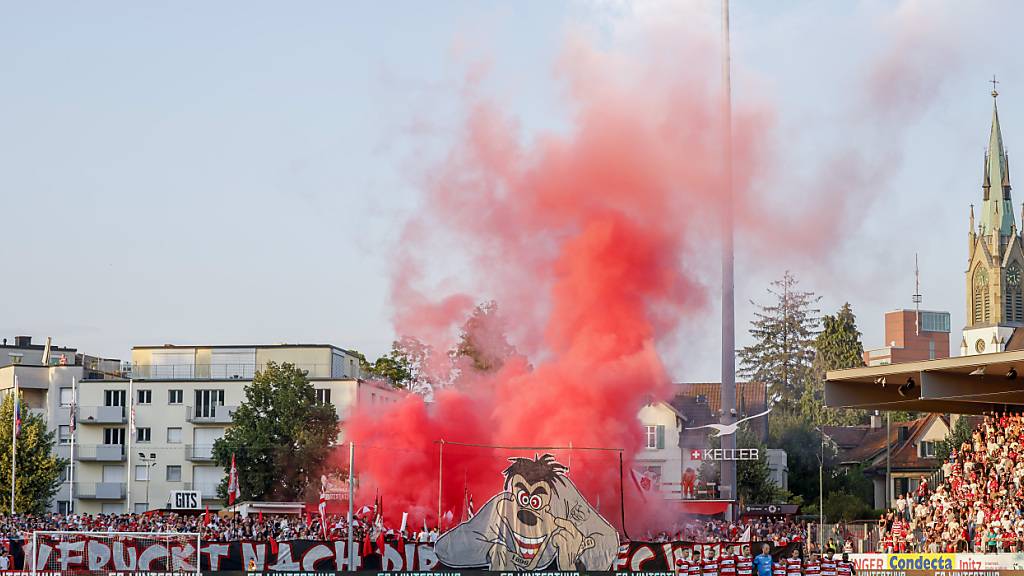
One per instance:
(440,469)
(351,539)
(74,429)
(14,440)
(131,432)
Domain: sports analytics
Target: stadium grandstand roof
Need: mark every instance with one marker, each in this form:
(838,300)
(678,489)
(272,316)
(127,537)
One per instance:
(962,385)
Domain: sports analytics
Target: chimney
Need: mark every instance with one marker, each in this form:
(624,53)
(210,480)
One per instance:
(876,421)
(22,341)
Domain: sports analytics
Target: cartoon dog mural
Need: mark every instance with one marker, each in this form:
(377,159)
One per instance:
(538,520)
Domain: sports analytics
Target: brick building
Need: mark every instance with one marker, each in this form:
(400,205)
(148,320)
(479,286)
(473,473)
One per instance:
(912,335)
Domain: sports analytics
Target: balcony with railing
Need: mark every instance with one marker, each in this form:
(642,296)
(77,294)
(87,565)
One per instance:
(102,415)
(100,453)
(215,371)
(199,452)
(100,490)
(210,414)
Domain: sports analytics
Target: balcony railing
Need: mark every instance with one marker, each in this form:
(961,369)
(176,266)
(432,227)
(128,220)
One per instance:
(99,490)
(220,371)
(102,415)
(199,452)
(216,414)
(100,453)
(208,491)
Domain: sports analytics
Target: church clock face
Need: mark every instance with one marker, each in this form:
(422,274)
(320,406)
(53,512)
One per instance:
(1013,275)
(979,346)
(981,278)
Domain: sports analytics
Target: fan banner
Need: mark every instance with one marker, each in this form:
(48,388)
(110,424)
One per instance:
(538,520)
(85,554)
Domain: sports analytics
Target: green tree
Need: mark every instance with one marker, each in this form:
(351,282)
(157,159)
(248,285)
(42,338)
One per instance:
(841,506)
(836,347)
(37,471)
(482,340)
(782,354)
(961,432)
(280,436)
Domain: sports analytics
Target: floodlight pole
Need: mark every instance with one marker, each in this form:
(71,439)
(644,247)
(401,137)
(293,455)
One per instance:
(728,391)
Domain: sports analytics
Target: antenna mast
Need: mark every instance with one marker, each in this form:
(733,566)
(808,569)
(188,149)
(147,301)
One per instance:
(917,297)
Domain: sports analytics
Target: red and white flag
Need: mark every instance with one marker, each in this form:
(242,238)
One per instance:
(233,490)
(643,481)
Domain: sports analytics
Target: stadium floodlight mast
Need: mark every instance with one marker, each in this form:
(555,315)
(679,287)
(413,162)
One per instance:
(728,385)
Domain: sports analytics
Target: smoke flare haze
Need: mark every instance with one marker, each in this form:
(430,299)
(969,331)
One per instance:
(595,245)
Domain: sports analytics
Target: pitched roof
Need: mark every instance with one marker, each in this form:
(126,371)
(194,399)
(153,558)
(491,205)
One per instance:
(700,403)
(751,397)
(866,444)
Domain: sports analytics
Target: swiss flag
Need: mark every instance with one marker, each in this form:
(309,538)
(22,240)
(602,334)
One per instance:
(696,455)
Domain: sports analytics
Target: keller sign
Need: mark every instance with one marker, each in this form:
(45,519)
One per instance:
(185,500)
(717,454)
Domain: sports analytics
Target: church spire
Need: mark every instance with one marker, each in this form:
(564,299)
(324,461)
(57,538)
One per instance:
(997,208)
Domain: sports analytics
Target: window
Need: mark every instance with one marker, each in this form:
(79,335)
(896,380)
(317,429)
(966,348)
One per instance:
(113,436)
(207,402)
(927,449)
(63,507)
(65,473)
(64,435)
(174,435)
(323,396)
(66,397)
(143,434)
(175,396)
(173,473)
(141,472)
(654,437)
(935,321)
(931,349)
(145,397)
(114,397)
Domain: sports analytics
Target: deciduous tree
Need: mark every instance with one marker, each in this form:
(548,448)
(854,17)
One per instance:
(280,436)
(38,469)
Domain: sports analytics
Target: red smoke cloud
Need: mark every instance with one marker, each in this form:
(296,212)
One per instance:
(583,240)
(591,242)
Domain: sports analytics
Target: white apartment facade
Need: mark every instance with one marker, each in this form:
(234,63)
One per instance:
(661,458)
(184,397)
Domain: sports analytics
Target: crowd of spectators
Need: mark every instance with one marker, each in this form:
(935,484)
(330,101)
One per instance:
(211,527)
(978,506)
(777,531)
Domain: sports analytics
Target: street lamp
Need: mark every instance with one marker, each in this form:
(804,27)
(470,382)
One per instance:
(821,489)
(149,461)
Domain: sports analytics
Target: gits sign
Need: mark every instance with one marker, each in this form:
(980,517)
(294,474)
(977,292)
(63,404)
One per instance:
(185,500)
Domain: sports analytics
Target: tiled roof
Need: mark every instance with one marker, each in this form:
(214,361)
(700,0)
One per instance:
(751,397)
(700,404)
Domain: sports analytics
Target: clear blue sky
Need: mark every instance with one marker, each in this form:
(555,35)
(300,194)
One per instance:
(237,172)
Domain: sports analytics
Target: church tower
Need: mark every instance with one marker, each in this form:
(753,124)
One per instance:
(995,307)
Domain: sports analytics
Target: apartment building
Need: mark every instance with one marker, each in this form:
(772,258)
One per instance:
(184,398)
(46,384)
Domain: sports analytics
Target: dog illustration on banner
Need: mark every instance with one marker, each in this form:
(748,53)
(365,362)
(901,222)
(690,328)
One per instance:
(539,520)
